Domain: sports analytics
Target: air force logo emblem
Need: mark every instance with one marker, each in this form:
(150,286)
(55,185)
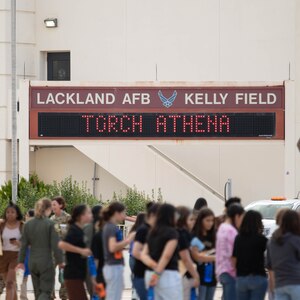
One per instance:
(167,102)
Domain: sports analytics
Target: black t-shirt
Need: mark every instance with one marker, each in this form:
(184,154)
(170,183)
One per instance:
(157,242)
(209,244)
(97,249)
(249,253)
(184,239)
(184,243)
(76,265)
(141,237)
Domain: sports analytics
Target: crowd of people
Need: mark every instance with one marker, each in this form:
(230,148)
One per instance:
(175,252)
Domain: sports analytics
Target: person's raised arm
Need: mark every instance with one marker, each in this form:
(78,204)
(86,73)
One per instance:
(67,247)
(115,246)
(201,256)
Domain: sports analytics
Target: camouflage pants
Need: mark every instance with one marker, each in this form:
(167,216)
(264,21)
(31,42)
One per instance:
(2,285)
(63,292)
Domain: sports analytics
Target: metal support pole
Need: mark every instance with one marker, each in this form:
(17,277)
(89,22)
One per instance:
(95,178)
(228,189)
(14,141)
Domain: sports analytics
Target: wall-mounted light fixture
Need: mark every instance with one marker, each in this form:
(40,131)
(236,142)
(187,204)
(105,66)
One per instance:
(50,22)
(33,148)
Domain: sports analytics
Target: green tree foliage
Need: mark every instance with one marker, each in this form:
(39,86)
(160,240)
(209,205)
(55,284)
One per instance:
(34,189)
(29,191)
(135,201)
(73,192)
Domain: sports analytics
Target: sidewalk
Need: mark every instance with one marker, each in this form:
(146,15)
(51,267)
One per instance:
(126,295)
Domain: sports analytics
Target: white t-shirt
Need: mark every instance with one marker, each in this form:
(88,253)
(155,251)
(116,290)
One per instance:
(10,234)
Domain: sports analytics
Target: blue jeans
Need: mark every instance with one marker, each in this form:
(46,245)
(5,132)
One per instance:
(251,287)
(206,292)
(229,286)
(288,292)
(140,287)
(131,262)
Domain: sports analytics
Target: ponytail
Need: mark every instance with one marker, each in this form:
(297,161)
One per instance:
(109,211)
(41,206)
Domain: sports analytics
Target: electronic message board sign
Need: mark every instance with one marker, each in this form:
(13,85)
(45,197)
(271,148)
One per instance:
(156,112)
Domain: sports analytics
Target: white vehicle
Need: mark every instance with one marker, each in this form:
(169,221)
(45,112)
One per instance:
(269,209)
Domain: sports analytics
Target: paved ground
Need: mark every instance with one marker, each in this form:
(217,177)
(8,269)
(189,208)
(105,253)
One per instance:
(126,295)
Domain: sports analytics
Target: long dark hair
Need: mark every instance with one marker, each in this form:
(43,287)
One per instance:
(98,221)
(77,212)
(109,211)
(165,218)
(152,208)
(198,229)
(140,220)
(96,210)
(233,211)
(16,208)
(200,203)
(30,213)
(184,213)
(290,223)
(252,224)
(233,200)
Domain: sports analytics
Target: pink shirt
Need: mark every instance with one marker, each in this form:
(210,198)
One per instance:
(224,248)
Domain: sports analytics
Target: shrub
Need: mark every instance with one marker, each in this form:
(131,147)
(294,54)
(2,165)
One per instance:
(135,201)
(34,189)
(73,192)
(29,191)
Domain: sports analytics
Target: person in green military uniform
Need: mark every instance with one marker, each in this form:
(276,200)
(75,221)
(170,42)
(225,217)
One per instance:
(61,220)
(40,235)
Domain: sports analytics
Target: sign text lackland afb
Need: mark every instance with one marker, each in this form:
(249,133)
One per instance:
(145,99)
(156,112)
(161,97)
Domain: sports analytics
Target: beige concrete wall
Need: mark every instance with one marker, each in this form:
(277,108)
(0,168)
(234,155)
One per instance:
(256,168)
(297,85)
(194,40)
(25,59)
(138,165)
(58,163)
